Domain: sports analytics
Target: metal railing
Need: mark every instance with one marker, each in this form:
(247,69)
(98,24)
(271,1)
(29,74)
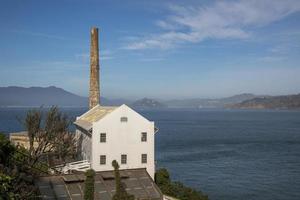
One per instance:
(81,165)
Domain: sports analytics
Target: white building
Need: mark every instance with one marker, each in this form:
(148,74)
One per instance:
(113,133)
(116,133)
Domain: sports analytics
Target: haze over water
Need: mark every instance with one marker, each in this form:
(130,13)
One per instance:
(228,154)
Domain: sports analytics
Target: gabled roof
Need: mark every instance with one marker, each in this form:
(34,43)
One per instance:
(84,124)
(96,113)
(71,186)
(86,120)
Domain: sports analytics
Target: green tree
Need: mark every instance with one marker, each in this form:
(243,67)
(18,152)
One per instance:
(51,137)
(32,124)
(6,187)
(63,142)
(176,189)
(121,193)
(16,178)
(162,179)
(6,150)
(89,185)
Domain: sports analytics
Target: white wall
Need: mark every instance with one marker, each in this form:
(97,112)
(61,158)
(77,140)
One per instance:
(123,138)
(85,144)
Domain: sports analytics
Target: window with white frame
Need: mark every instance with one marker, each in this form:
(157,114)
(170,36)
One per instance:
(102,159)
(124,119)
(102,137)
(144,158)
(123,159)
(144,137)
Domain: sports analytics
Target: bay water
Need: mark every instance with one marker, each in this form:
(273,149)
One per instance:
(227,154)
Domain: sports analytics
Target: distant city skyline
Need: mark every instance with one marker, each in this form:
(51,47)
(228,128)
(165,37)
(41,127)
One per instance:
(157,49)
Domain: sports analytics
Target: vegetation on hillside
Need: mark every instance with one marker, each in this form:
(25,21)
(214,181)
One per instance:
(19,166)
(121,193)
(16,177)
(176,189)
(271,102)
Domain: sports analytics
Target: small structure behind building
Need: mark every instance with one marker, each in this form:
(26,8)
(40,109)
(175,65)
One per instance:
(21,138)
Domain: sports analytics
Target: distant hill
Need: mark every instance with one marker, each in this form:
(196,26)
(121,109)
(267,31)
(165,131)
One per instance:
(270,102)
(46,96)
(37,96)
(146,103)
(209,103)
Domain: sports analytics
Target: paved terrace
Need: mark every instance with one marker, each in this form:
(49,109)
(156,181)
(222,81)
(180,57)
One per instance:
(71,186)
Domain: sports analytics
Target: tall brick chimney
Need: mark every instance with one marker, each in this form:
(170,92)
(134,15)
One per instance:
(94,97)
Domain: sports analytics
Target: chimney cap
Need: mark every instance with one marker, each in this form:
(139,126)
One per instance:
(94,28)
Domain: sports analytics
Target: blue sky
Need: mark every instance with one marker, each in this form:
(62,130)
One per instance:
(159,49)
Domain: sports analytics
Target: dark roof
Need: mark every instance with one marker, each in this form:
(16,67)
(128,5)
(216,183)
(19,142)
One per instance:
(71,186)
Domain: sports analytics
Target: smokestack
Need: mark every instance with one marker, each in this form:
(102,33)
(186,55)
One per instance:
(94,97)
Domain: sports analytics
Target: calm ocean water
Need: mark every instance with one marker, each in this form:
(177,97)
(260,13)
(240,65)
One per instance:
(230,155)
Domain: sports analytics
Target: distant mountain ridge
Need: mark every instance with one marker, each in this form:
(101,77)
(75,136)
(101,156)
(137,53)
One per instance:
(46,96)
(147,103)
(37,96)
(209,103)
(270,102)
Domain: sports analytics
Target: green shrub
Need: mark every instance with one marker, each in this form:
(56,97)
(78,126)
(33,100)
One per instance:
(176,189)
(16,179)
(89,185)
(121,193)
(6,187)
(6,150)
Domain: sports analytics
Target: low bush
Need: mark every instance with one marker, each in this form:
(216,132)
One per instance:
(176,189)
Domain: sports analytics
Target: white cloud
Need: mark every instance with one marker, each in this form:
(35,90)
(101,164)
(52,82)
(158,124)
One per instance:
(272,58)
(221,20)
(166,25)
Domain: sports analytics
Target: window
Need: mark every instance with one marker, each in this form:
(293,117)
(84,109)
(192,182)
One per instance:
(124,119)
(144,137)
(102,137)
(102,159)
(144,158)
(123,159)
